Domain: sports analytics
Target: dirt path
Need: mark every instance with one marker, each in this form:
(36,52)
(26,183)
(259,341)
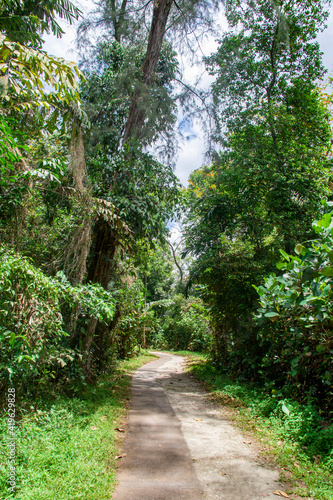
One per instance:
(179,446)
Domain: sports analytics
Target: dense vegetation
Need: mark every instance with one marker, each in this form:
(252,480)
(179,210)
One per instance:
(89,274)
(259,198)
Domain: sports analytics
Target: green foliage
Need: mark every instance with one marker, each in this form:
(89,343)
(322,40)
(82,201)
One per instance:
(268,46)
(108,90)
(264,187)
(183,325)
(156,271)
(34,339)
(13,187)
(25,71)
(295,319)
(8,148)
(25,21)
(128,332)
(271,120)
(144,191)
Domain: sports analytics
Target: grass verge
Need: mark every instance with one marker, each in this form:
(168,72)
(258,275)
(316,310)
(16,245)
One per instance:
(290,435)
(66,449)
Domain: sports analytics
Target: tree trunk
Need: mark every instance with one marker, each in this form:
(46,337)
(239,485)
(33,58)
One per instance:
(100,271)
(103,260)
(87,347)
(137,110)
(106,239)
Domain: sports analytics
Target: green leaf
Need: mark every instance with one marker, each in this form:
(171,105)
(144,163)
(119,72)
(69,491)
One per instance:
(285,255)
(271,314)
(327,271)
(325,221)
(285,410)
(309,274)
(330,256)
(298,248)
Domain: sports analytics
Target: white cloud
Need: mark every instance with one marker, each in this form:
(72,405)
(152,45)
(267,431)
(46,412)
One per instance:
(191,156)
(65,46)
(62,47)
(326,43)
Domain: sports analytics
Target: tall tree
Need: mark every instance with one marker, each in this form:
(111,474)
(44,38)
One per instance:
(145,192)
(265,186)
(137,110)
(26,21)
(105,237)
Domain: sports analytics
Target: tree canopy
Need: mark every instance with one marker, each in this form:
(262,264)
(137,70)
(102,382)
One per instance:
(87,200)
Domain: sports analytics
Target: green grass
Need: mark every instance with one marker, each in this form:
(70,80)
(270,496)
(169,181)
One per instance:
(195,356)
(290,435)
(66,449)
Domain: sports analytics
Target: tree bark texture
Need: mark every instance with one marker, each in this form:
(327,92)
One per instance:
(103,260)
(156,35)
(99,271)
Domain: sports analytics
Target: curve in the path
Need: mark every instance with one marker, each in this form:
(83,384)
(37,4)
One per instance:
(180,446)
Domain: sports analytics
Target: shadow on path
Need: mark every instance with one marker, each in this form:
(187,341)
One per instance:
(158,464)
(180,446)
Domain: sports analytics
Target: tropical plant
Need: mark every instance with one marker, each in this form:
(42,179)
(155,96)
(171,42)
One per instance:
(295,319)
(35,341)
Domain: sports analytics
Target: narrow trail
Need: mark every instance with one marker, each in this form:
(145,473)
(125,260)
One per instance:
(179,446)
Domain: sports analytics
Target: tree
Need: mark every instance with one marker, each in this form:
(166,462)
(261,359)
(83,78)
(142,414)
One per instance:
(123,20)
(137,110)
(106,237)
(26,21)
(294,319)
(265,186)
(107,94)
(23,74)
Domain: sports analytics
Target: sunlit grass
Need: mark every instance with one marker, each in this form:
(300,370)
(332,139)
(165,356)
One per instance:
(66,449)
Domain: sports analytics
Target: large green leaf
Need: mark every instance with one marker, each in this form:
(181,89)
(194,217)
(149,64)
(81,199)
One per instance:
(327,271)
(309,274)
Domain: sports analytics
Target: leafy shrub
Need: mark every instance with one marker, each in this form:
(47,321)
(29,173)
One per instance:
(34,343)
(129,330)
(286,419)
(184,325)
(295,319)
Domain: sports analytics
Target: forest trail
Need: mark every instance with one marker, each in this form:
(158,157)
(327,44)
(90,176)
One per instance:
(179,445)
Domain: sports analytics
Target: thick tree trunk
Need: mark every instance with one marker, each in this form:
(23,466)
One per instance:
(100,271)
(103,261)
(137,110)
(106,240)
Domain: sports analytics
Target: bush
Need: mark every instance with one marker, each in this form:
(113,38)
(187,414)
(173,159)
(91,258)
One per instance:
(184,325)
(295,319)
(34,342)
(129,331)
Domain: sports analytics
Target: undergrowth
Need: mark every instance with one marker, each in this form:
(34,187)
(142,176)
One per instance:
(295,435)
(66,448)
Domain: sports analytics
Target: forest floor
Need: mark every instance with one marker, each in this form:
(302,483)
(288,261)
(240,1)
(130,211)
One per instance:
(181,445)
